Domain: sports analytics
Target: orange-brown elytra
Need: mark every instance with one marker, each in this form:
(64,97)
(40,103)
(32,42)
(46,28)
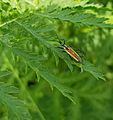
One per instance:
(70,51)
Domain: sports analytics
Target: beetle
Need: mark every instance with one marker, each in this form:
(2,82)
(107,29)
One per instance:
(70,51)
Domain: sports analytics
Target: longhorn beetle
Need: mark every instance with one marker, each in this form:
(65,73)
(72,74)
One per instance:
(70,51)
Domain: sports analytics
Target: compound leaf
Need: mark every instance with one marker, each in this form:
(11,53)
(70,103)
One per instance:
(16,107)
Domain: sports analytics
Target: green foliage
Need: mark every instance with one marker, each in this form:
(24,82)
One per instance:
(4,73)
(34,61)
(16,107)
(92,69)
(76,15)
(30,57)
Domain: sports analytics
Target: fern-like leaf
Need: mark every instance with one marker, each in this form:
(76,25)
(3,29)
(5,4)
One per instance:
(76,15)
(87,66)
(16,108)
(44,73)
(4,73)
(53,80)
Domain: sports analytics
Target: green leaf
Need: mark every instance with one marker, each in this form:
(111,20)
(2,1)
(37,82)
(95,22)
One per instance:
(64,56)
(56,58)
(76,15)
(87,66)
(16,108)
(53,80)
(4,73)
(40,69)
(28,55)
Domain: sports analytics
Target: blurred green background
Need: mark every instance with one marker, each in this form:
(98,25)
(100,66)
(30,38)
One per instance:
(94,98)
